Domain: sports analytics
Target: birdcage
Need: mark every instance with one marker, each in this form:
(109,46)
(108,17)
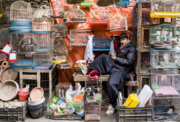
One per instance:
(42,61)
(78,37)
(59,30)
(118,22)
(93,90)
(165,59)
(44,41)
(165,82)
(75,15)
(101,44)
(165,8)
(58,51)
(161,35)
(20,10)
(99,16)
(42,21)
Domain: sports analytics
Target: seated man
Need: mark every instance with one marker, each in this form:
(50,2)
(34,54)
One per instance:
(118,66)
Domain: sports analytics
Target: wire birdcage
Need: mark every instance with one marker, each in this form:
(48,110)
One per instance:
(161,35)
(42,20)
(20,10)
(58,51)
(165,8)
(75,15)
(99,16)
(59,30)
(167,59)
(44,41)
(118,22)
(78,37)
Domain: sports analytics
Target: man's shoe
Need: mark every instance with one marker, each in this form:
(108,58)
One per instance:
(110,110)
(83,67)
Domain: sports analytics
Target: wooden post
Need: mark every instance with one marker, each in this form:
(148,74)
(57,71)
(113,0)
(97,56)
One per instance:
(21,78)
(50,84)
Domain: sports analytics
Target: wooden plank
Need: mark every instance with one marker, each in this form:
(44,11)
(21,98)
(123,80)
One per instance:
(38,78)
(21,79)
(50,85)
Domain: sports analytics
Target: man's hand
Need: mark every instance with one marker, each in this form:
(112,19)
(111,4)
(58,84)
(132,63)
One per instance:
(113,57)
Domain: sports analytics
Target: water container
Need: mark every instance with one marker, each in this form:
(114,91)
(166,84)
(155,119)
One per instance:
(144,95)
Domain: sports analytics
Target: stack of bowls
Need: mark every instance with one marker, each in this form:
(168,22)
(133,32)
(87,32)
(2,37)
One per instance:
(20,26)
(36,102)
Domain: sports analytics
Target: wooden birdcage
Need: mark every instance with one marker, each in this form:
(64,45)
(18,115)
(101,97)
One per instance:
(165,8)
(42,20)
(75,15)
(59,30)
(20,10)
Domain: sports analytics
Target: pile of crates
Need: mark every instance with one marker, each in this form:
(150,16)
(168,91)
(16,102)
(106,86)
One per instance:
(164,60)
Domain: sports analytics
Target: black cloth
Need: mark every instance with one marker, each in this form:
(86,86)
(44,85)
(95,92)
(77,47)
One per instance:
(118,69)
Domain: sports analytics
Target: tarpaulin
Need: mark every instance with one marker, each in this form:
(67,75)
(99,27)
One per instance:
(77,52)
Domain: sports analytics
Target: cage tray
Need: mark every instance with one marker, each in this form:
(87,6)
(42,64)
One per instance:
(44,66)
(23,64)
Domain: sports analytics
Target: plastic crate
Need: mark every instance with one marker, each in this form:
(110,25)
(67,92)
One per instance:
(101,44)
(165,59)
(13,114)
(138,114)
(165,8)
(165,82)
(92,111)
(161,35)
(93,90)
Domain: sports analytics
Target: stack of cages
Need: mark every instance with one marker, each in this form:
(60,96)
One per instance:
(20,33)
(166,87)
(41,30)
(58,48)
(165,8)
(93,99)
(99,16)
(78,37)
(75,15)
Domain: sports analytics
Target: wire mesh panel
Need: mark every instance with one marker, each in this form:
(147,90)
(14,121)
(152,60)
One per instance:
(59,30)
(160,58)
(165,8)
(78,37)
(165,82)
(93,90)
(118,22)
(20,10)
(99,16)
(42,20)
(161,35)
(92,111)
(75,15)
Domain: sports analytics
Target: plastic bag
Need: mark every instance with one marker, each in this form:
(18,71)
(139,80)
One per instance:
(89,56)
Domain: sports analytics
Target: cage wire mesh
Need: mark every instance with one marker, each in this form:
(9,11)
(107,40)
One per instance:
(78,37)
(118,22)
(165,82)
(99,14)
(161,58)
(75,15)
(58,51)
(27,46)
(162,35)
(20,10)
(165,5)
(42,20)
(59,30)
